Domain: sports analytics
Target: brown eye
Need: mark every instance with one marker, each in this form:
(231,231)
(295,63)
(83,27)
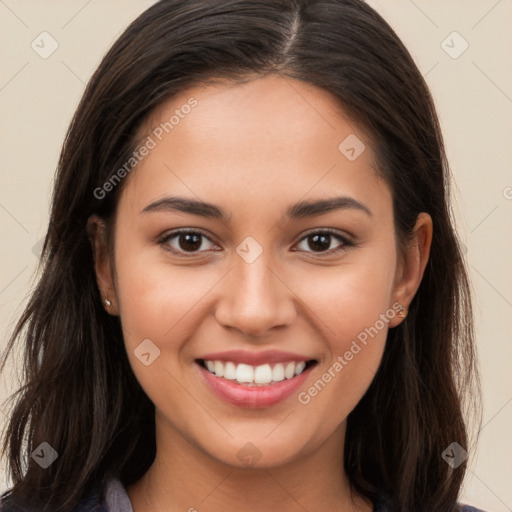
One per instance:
(185,241)
(189,241)
(320,242)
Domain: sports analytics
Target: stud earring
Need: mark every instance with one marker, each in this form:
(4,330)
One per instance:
(107,303)
(403,312)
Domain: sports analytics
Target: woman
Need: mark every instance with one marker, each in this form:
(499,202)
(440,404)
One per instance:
(253,296)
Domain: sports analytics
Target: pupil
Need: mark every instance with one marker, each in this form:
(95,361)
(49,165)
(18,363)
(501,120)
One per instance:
(189,243)
(316,240)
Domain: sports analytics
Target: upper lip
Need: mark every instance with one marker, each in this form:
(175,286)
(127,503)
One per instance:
(255,358)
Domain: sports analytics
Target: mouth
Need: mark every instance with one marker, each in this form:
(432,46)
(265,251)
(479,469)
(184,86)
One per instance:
(267,374)
(254,386)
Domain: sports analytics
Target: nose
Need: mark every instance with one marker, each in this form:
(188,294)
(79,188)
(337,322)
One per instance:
(255,299)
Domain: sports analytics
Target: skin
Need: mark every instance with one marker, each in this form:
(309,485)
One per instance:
(254,149)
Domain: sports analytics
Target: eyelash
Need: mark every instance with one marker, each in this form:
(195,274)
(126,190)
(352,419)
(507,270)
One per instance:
(326,231)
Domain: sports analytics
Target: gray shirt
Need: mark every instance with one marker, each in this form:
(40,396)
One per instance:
(116,498)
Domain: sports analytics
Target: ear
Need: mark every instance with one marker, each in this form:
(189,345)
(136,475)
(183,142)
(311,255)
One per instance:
(96,231)
(411,264)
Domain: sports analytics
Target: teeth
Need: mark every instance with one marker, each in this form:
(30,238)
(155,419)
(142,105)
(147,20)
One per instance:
(229,371)
(299,368)
(244,373)
(278,372)
(263,374)
(219,369)
(255,375)
(289,371)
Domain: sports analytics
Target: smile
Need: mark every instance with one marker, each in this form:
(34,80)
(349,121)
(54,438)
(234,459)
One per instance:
(252,386)
(262,375)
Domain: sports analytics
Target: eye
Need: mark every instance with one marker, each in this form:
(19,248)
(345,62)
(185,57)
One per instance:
(186,240)
(321,239)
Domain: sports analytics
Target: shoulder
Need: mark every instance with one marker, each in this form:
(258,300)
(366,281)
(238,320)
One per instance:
(116,498)
(89,503)
(382,505)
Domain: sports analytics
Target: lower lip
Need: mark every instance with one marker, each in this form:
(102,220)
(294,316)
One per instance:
(253,397)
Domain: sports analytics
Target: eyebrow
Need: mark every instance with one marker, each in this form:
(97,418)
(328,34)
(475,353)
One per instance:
(299,210)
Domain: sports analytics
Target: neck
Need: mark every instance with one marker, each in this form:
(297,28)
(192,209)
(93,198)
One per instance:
(185,478)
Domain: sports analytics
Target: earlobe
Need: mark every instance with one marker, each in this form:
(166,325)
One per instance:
(96,232)
(412,264)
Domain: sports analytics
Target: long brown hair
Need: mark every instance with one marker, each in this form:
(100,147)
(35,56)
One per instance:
(80,394)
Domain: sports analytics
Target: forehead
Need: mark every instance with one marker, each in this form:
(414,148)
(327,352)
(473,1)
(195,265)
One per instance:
(266,141)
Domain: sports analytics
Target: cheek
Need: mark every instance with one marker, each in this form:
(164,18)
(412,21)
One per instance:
(350,297)
(154,297)
(339,385)
(157,303)
(352,306)
(354,324)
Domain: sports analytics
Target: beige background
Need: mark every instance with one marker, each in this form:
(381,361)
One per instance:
(473,94)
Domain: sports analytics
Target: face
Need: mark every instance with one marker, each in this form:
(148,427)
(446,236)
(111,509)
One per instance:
(290,304)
